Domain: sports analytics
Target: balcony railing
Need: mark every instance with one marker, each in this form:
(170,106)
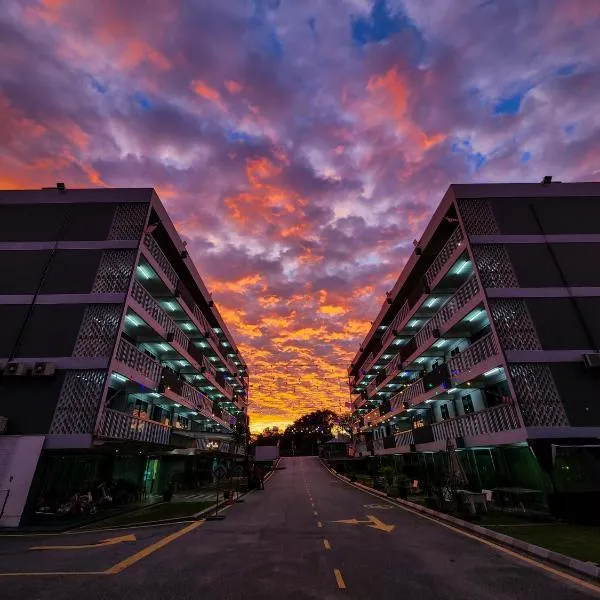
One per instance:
(466,292)
(122,426)
(491,420)
(478,352)
(161,259)
(454,241)
(408,393)
(196,397)
(131,356)
(155,310)
(404,438)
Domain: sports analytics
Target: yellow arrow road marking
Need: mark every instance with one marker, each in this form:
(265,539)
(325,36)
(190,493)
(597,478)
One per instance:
(371,521)
(100,544)
(377,524)
(351,521)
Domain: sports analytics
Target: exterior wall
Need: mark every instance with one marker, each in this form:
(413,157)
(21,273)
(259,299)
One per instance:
(18,460)
(66,262)
(534,256)
(557,215)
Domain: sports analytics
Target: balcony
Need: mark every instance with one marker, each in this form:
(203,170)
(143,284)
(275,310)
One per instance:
(454,241)
(491,420)
(476,353)
(138,362)
(122,426)
(155,310)
(196,398)
(463,296)
(408,394)
(404,438)
(161,260)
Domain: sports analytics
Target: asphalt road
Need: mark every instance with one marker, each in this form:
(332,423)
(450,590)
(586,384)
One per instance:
(281,543)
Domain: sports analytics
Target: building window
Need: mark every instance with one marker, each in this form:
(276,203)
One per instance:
(467,402)
(445,412)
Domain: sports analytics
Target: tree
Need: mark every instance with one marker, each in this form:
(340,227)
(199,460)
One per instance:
(346,423)
(305,434)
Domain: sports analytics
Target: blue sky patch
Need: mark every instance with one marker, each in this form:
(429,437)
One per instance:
(510,105)
(142,101)
(566,70)
(98,86)
(475,160)
(525,157)
(379,26)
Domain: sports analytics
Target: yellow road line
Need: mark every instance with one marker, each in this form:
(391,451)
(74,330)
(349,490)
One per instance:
(312,504)
(316,513)
(124,564)
(327,544)
(522,557)
(339,579)
(319,524)
(53,573)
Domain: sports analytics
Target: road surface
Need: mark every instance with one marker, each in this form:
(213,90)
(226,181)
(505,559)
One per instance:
(307,536)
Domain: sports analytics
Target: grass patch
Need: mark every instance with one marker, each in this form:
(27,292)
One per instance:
(156,512)
(579,541)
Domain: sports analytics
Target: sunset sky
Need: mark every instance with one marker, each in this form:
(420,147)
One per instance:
(299,145)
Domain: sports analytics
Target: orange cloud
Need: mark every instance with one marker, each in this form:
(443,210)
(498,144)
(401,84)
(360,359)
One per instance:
(208,93)
(241,285)
(390,95)
(233,87)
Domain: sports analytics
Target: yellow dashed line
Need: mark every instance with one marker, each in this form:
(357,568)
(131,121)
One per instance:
(339,579)
(327,544)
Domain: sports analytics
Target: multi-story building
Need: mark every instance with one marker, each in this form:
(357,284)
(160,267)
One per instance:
(490,338)
(113,357)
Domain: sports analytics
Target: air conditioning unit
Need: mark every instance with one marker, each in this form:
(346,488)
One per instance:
(592,361)
(15,369)
(43,369)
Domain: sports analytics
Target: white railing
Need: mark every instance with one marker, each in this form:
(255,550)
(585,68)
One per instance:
(209,367)
(393,366)
(196,397)
(490,420)
(161,259)
(454,241)
(211,335)
(466,292)
(389,334)
(122,426)
(478,352)
(155,310)
(131,356)
(408,393)
(404,438)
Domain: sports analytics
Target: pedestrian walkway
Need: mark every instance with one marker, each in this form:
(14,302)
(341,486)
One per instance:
(195,496)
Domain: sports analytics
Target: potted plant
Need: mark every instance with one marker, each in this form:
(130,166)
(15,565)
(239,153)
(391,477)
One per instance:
(388,474)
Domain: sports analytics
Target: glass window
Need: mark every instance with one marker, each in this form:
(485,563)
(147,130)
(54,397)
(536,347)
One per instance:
(445,412)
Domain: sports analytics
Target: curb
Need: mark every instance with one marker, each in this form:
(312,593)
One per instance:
(588,569)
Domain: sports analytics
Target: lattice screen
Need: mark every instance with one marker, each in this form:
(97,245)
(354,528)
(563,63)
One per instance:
(128,222)
(114,271)
(477,216)
(78,402)
(495,268)
(537,395)
(98,330)
(514,325)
